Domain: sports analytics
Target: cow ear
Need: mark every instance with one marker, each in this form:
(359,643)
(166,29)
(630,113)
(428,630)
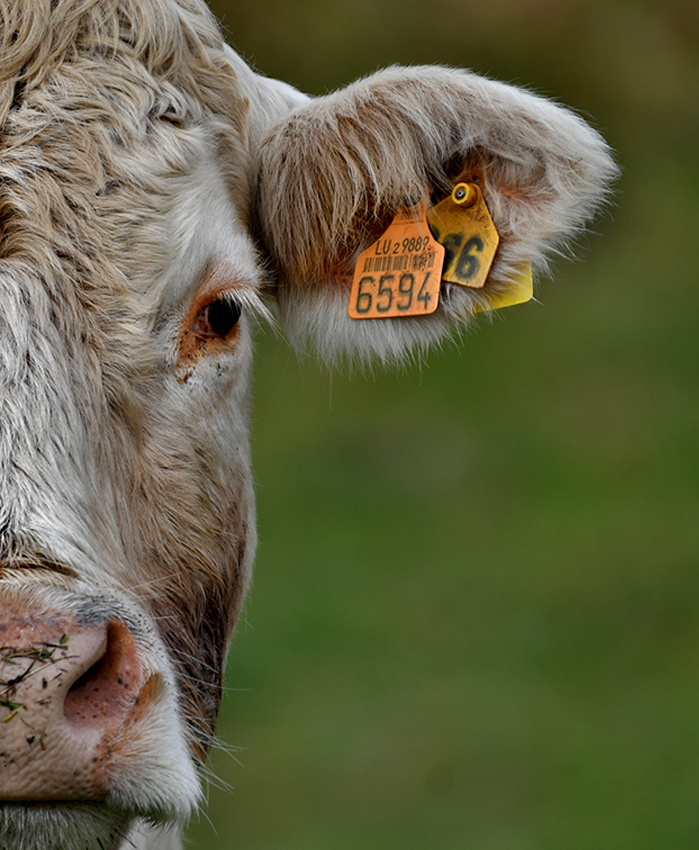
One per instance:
(334,173)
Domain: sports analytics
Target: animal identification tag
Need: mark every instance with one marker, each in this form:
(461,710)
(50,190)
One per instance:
(520,291)
(400,274)
(464,226)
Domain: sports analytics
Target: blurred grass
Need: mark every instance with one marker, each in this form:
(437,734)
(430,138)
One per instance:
(475,618)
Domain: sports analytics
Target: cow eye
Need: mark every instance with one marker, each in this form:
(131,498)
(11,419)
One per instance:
(217,319)
(211,332)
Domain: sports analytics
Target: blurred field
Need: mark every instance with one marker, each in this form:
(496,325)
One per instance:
(475,618)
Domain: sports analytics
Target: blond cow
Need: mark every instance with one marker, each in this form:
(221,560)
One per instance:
(156,198)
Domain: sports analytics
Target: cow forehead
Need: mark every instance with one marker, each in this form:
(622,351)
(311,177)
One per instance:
(202,238)
(120,172)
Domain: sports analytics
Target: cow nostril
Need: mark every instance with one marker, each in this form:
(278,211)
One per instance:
(106,690)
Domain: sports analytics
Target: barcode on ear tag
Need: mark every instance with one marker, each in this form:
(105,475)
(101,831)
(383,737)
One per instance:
(401,273)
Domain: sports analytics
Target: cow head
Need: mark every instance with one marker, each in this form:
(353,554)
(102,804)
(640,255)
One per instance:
(157,200)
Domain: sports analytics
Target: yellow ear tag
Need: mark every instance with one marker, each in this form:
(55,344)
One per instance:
(520,291)
(463,225)
(401,273)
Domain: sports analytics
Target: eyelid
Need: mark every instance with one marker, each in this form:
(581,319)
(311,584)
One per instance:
(250,303)
(222,284)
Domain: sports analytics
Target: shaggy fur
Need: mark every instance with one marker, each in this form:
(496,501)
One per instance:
(335,171)
(144,171)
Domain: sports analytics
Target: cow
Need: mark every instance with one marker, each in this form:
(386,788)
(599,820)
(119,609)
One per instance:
(158,200)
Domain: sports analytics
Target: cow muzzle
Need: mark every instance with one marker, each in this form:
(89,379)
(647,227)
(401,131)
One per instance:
(70,694)
(87,711)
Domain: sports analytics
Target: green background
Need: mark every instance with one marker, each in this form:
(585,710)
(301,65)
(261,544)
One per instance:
(475,617)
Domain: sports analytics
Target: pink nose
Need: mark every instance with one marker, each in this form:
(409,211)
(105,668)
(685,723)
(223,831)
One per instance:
(69,692)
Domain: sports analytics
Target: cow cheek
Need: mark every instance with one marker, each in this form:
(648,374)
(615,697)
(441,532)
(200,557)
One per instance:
(195,527)
(195,623)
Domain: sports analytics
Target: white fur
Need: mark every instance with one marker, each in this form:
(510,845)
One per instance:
(132,182)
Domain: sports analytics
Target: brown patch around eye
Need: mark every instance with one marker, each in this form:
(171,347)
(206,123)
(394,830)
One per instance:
(209,328)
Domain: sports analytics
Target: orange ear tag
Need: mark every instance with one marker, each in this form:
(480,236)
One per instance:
(463,225)
(400,274)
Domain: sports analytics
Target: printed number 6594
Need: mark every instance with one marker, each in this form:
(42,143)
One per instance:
(395,294)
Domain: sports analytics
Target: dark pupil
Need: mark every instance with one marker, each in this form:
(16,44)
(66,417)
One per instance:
(222,316)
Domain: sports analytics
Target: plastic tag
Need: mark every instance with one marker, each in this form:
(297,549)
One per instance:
(401,273)
(520,291)
(463,225)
